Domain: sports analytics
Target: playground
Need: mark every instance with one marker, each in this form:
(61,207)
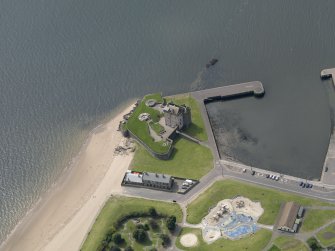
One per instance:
(231,219)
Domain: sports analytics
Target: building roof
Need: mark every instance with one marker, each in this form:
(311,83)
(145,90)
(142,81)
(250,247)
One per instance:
(134,177)
(156,177)
(288,214)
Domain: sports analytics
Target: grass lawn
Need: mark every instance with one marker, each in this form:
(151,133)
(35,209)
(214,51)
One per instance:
(327,235)
(117,207)
(188,160)
(288,243)
(253,242)
(274,248)
(140,128)
(197,128)
(270,200)
(316,218)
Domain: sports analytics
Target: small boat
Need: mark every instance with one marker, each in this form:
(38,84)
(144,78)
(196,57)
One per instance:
(212,62)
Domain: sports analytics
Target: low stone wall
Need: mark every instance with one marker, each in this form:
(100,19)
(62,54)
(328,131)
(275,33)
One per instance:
(162,156)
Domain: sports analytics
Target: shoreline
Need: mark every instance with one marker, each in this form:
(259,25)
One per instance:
(73,189)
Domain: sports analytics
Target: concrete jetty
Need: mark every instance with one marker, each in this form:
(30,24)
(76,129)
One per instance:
(328,172)
(223,93)
(230,91)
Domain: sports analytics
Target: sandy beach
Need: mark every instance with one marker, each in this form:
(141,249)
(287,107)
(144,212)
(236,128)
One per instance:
(61,220)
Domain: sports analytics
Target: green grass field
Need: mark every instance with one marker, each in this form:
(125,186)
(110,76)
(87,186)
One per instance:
(141,129)
(188,160)
(327,236)
(117,207)
(270,200)
(274,248)
(197,128)
(316,218)
(288,243)
(255,242)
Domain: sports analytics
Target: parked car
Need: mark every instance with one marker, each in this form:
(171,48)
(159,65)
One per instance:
(267,176)
(301,183)
(326,169)
(253,172)
(276,178)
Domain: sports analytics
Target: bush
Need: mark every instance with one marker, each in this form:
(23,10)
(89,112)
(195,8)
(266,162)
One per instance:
(152,249)
(314,244)
(146,227)
(171,222)
(153,224)
(165,240)
(152,212)
(129,249)
(117,239)
(139,235)
(115,248)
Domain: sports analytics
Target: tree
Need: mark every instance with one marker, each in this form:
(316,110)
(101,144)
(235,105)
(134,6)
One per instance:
(115,248)
(171,222)
(165,239)
(152,212)
(117,239)
(153,224)
(129,248)
(139,235)
(146,227)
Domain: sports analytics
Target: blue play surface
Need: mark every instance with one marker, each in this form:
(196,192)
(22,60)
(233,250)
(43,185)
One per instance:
(240,231)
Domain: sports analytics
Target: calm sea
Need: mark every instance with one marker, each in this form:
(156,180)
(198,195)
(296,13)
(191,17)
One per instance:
(66,65)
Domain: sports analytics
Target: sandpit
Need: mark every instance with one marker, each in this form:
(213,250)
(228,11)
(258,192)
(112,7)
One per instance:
(189,240)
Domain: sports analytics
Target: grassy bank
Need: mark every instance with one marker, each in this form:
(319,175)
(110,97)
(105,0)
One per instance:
(141,129)
(270,200)
(254,242)
(188,160)
(115,208)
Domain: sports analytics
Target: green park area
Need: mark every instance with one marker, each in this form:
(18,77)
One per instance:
(327,236)
(254,242)
(141,128)
(288,243)
(131,222)
(270,200)
(315,218)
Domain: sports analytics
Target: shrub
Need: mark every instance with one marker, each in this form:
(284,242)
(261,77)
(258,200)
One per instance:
(129,249)
(139,235)
(153,224)
(152,212)
(115,248)
(314,244)
(146,227)
(117,239)
(165,239)
(171,222)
